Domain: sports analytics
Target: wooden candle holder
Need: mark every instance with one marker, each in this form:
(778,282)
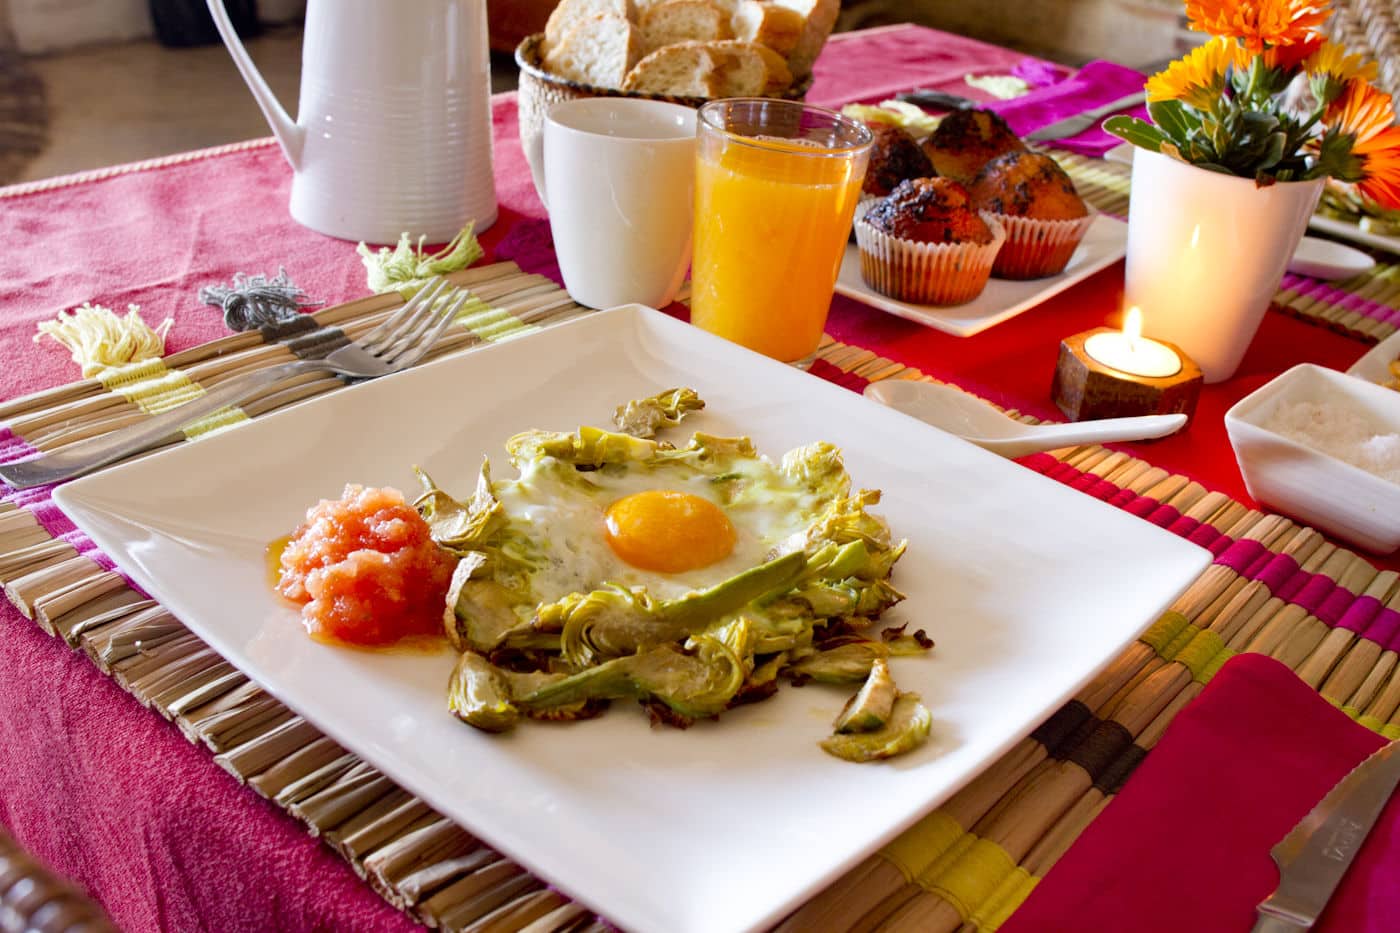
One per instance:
(1086,390)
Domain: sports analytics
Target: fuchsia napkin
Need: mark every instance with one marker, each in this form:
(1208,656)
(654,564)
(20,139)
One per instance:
(1097,84)
(1185,846)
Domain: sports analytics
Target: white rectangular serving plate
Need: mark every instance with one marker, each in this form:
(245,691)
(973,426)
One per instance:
(1002,299)
(1027,586)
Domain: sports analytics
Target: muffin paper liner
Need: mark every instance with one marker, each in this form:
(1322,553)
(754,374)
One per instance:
(1037,248)
(927,273)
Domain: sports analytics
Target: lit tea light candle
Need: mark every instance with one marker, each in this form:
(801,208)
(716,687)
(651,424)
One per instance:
(1130,352)
(1107,373)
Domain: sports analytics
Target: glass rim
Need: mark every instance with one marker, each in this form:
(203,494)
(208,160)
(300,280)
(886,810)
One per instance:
(784,144)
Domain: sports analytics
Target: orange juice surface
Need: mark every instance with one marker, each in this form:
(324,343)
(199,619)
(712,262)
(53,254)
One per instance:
(771,223)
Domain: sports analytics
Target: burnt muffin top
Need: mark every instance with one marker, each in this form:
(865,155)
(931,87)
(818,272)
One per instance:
(894,157)
(1027,184)
(966,140)
(929,210)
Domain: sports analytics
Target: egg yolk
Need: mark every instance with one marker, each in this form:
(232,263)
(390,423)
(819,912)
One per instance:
(668,531)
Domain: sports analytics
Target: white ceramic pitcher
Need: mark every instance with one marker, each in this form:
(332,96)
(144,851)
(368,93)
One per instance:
(393,132)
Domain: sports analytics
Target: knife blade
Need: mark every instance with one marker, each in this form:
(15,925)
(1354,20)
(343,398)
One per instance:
(1315,855)
(1073,126)
(928,97)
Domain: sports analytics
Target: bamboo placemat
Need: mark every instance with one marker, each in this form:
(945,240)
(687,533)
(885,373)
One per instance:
(1275,588)
(1366,306)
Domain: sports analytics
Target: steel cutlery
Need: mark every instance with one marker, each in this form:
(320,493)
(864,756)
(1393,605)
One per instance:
(928,97)
(398,343)
(1315,855)
(1074,125)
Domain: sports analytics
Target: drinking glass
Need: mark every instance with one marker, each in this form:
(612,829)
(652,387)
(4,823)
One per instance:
(776,184)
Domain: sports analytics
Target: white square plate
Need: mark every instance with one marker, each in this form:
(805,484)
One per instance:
(1002,299)
(1027,586)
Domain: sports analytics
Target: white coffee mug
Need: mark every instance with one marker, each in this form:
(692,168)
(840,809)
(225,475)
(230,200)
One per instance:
(617,176)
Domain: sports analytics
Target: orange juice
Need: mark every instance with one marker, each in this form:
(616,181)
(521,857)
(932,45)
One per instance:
(772,217)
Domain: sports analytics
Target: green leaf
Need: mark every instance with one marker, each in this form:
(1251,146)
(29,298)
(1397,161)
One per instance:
(1138,132)
(1174,118)
(1273,152)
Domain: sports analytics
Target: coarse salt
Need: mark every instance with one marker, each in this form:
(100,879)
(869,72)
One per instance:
(1341,433)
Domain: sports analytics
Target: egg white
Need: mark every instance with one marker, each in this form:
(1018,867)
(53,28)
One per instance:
(562,511)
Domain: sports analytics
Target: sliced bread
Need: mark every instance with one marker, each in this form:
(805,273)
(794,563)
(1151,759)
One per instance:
(571,12)
(818,18)
(598,50)
(779,74)
(682,20)
(683,69)
(742,70)
(771,24)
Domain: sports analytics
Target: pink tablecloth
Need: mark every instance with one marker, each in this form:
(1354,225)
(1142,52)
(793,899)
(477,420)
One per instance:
(112,795)
(102,789)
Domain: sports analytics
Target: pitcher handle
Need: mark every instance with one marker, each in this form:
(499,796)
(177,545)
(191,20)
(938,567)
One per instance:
(288,134)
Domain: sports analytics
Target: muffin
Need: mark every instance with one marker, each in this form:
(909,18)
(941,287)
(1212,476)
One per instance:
(966,140)
(894,157)
(927,245)
(1033,198)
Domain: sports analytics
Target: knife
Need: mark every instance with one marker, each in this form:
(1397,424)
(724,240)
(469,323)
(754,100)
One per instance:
(1073,126)
(1313,857)
(927,97)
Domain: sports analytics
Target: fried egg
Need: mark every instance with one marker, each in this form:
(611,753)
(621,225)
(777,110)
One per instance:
(671,527)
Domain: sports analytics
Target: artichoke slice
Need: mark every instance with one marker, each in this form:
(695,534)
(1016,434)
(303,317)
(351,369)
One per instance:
(870,708)
(844,664)
(460,526)
(586,447)
(643,417)
(478,694)
(479,612)
(908,728)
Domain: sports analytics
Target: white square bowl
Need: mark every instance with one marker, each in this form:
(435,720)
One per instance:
(1312,486)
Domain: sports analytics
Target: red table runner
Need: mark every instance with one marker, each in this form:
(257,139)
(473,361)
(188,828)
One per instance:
(193,850)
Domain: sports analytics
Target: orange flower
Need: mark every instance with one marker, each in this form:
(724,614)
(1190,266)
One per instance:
(1258,23)
(1368,116)
(1197,79)
(1289,57)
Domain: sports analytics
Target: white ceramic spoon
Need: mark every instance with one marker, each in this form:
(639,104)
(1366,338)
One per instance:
(972,419)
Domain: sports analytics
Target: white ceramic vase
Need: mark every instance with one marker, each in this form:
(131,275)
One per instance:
(1206,253)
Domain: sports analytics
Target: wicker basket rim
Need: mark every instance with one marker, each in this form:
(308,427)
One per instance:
(527,56)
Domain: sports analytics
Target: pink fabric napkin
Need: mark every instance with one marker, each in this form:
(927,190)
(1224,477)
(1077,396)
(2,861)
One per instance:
(1097,84)
(874,65)
(1186,845)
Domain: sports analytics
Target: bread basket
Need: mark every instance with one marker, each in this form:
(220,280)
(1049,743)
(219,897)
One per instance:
(540,90)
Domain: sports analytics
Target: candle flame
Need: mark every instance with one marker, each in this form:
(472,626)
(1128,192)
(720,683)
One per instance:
(1132,326)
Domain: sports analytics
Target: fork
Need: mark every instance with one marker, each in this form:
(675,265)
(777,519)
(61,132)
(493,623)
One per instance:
(394,345)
